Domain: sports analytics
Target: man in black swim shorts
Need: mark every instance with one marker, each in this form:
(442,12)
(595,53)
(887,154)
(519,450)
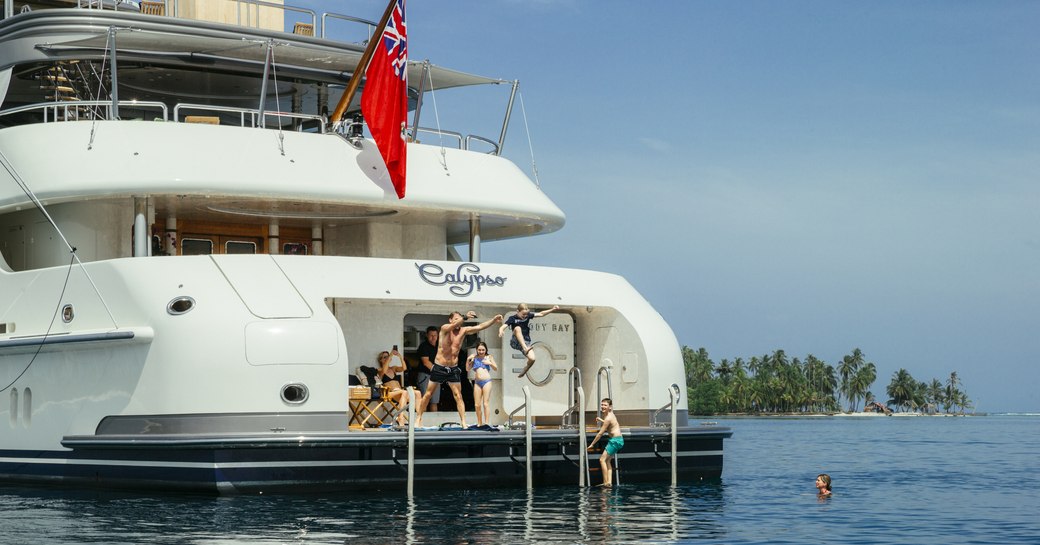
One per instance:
(446,368)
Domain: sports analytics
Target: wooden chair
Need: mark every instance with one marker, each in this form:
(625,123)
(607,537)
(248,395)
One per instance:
(303,29)
(364,407)
(360,412)
(153,8)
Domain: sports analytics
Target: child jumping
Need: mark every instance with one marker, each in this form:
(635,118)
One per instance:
(520,325)
(614,444)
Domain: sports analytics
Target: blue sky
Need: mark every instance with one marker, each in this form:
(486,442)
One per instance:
(812,176)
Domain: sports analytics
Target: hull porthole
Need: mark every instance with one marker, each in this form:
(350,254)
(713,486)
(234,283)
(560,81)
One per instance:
(180,305)
(294,394)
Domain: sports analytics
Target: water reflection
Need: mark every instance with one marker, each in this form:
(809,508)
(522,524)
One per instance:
(409,531)
(569,514)
(766,496)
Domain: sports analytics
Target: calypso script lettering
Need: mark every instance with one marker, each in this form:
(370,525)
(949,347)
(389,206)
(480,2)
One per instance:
(462,282)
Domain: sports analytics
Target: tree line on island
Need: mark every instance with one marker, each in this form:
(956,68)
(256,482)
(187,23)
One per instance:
(776,384)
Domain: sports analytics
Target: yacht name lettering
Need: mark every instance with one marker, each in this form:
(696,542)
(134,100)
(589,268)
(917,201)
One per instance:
(462,282)
(562,328)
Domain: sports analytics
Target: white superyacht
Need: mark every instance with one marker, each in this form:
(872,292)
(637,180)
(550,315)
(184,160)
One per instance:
(196,261)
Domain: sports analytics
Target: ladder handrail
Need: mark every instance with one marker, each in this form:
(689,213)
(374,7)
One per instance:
(674,393)
(583,449)
(509,422)
(599,392)
(573,406)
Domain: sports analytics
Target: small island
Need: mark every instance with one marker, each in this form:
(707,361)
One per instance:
(776,384)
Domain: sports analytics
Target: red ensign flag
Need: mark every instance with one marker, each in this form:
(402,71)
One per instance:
(384,100)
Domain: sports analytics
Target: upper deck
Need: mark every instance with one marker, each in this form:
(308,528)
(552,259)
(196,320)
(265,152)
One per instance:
(237,132)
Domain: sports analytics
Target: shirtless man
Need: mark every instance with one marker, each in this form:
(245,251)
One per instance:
(446,368)
(610,427)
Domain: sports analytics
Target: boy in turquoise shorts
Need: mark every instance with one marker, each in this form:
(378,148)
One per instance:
(614,444)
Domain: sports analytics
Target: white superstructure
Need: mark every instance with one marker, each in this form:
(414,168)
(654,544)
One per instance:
(238,262)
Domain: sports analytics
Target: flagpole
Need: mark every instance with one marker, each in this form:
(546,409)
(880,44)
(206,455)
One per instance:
(355,79)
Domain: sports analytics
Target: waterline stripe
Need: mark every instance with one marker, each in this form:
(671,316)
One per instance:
(328,463)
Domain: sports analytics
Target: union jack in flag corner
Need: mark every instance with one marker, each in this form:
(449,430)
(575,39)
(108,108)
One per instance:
(384,100)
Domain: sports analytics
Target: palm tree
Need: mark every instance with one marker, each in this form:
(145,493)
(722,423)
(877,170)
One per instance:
(754,365)
(698,365)
(901,389)
(848,368)
(822,383)
(952,393)
(865,377)
(724,370)
(934,394)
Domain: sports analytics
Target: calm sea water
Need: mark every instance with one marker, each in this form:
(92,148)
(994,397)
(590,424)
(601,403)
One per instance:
(896,480)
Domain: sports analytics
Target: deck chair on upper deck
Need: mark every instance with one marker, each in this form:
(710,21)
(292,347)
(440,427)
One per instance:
(303,29)
(153,8)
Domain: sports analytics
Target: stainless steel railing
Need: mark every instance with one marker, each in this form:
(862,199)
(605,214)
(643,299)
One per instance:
(85,109)
(252,114)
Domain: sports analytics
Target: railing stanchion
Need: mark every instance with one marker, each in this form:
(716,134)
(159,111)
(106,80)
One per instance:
(411,440)
(527,434)
(673,393)
(583,453)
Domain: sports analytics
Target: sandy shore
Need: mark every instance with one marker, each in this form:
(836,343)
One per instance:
(850,415)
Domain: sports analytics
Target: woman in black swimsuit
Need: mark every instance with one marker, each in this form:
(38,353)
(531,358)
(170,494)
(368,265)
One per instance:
(392,376)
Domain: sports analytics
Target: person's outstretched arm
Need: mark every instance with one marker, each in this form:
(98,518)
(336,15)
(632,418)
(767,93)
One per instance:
(547,311)
(482,326)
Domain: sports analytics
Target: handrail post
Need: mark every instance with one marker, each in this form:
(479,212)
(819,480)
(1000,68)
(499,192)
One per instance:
(509,112)
(599,393)
(114,72)
(412,398)
(583,452)
(527,434)
(673,393)
(419,100)
(268,58)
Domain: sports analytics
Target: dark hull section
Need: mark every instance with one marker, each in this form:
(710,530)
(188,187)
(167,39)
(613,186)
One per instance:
(358,461)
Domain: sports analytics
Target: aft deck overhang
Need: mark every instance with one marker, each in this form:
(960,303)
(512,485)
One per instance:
(239,174)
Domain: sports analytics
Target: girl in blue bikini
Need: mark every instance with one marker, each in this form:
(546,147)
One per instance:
(479,363)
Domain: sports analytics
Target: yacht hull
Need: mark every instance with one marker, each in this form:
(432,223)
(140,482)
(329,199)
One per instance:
(358,461)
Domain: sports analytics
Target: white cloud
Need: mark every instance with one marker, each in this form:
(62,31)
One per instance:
(654,144)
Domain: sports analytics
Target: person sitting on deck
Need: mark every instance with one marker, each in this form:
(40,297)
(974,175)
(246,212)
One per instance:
(392,377)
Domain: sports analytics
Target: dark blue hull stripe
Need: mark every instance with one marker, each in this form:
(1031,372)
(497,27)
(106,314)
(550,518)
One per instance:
(379,462)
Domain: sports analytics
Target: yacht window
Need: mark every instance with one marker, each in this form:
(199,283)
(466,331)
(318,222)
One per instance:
(196,246)
(239,247)
(294,248)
